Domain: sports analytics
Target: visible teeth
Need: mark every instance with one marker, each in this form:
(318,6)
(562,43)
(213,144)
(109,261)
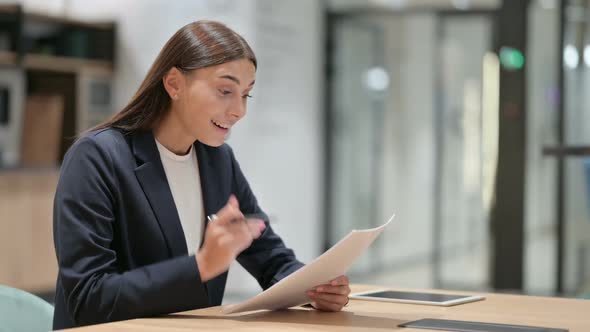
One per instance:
(224,126)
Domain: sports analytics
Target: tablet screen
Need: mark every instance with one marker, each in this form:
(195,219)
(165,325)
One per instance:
(428,297)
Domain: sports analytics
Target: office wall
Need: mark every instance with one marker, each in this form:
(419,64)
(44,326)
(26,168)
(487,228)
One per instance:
(279,142)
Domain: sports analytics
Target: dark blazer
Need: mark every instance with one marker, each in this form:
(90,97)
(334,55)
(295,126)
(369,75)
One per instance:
(119,242)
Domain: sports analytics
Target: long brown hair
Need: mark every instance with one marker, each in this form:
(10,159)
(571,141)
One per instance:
(196,45)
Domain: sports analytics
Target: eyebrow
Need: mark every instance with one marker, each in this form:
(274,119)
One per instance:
(234,79)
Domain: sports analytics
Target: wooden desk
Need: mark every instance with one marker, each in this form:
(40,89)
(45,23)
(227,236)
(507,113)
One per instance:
(359,315)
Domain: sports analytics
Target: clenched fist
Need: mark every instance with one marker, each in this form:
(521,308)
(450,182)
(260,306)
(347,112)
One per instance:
(225,238)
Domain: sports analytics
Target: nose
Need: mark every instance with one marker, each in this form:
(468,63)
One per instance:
(238,109)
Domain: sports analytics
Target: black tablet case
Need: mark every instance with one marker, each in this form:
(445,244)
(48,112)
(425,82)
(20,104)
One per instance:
(464,326)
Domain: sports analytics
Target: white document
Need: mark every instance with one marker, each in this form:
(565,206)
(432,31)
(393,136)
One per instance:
(335,262)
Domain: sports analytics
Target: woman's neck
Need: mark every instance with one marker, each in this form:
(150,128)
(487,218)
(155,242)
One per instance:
(170,133)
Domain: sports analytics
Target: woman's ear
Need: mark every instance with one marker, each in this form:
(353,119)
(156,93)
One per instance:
(173,83)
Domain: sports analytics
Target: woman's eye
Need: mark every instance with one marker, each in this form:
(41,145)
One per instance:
(247,96)
(225,92)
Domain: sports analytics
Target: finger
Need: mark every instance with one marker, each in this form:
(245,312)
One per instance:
(332,298)
(256,227)
(338,290)
(341,280)
(237,243)
(241,234)
(337,282)
(231,211)
(239,228)
(326,306)
(243,244)
(233,201)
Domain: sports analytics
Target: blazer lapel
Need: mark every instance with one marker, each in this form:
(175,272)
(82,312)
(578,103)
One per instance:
(215,191)
(211,186)
(152,178)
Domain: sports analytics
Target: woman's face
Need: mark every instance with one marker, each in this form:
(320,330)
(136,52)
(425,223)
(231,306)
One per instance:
(213,99)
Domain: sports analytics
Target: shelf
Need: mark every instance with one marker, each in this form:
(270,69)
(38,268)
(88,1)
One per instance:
(64,64)
(24,170)
(55,43)
(53,55)
(7,58)
(49,18)
(38,17)
(567,151)
(9,9)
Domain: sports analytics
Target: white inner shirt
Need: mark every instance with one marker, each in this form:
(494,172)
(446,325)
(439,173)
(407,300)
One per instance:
(183,177)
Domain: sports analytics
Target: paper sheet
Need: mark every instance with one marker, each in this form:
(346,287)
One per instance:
(334,262)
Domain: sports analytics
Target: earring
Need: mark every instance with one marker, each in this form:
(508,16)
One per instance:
(175,96)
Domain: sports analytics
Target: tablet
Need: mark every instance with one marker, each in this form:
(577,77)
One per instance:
(465,326)
(416,297)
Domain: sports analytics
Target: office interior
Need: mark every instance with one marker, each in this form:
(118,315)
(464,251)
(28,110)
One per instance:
(468,119)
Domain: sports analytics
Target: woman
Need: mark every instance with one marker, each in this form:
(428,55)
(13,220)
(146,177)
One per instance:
(129,228)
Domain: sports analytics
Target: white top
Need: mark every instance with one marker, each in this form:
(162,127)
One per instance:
(182,173)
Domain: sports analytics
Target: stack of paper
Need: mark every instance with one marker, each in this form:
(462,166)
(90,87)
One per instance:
(335,262)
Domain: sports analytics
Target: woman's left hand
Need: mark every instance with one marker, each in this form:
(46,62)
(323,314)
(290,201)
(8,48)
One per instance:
(332,296)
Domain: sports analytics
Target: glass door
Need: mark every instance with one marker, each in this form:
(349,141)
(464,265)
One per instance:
(355,125)
(467,129)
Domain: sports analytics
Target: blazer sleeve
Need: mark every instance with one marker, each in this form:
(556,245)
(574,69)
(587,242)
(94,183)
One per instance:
(94,289)
(267,259)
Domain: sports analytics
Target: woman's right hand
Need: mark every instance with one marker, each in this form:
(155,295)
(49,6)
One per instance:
(225,238)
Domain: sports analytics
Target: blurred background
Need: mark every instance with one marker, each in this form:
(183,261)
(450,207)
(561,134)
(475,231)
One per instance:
(470,119)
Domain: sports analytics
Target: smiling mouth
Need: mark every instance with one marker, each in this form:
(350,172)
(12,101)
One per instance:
(221,125)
